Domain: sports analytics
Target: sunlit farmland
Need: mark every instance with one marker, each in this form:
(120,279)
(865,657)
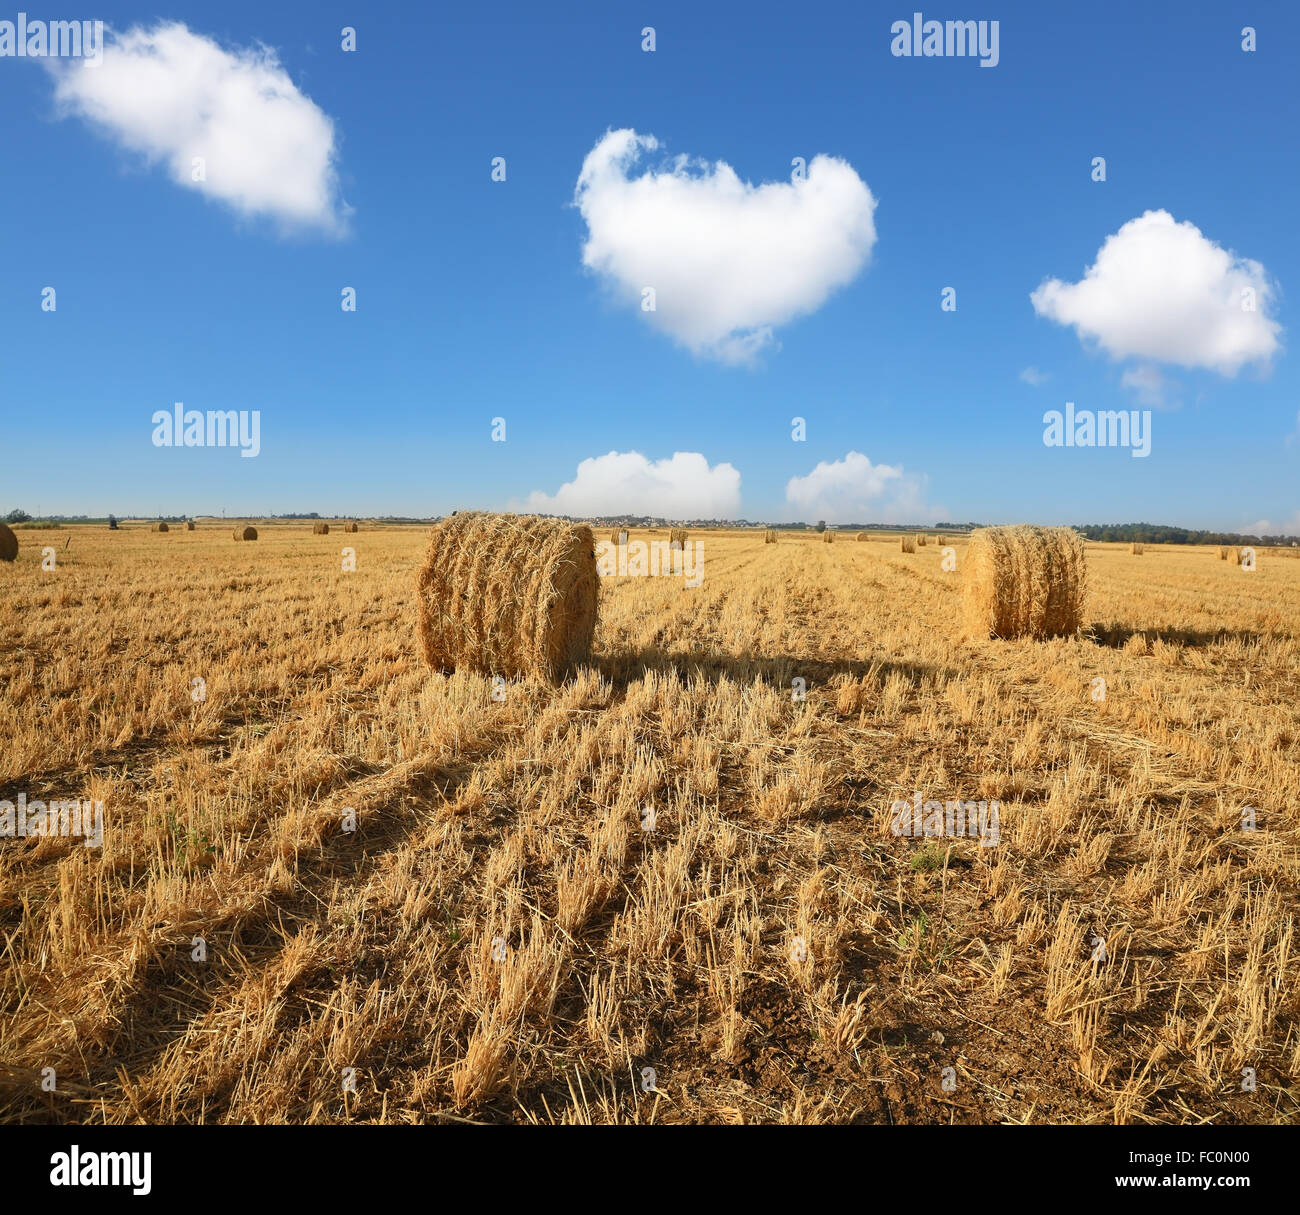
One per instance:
(667,889)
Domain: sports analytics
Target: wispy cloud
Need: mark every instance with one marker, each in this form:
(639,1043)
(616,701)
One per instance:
(1149,385)
(1033,377)
(229,124)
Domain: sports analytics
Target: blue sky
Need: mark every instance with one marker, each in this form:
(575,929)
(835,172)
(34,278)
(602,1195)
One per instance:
(473,300)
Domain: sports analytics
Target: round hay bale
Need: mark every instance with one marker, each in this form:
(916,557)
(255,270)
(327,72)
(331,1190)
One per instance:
(862,536)
(1136,549)
(906,544)
(677,537)
(920,542)
(350,527)
(507,595)
(1024,582)
(160,527)
(939,540)
(828,536)
(769,536)
(8,543)
(246,533)
(320,529)
(618,537)
(189,525)
(1234,555)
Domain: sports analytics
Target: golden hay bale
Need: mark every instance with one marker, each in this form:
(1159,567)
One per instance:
(507,595)
(246,533)
(863,536)
(8,543)
(1024,582)
(906,544)
(618,537)
(1234,555)
(1223,552)
(350,527)
(828,536)
(920,542)
(160,527)
(1136,549)
(189,525)
(769,536)
(320,528)
(677,536)
(939,540)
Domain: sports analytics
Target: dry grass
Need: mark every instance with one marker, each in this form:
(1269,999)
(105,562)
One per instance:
(1024,582)
(507,595)
(520,821)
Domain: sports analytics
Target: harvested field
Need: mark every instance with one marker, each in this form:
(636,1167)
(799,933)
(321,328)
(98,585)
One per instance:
(508,936)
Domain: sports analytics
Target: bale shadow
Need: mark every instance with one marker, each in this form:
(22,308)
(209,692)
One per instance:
(1117,636)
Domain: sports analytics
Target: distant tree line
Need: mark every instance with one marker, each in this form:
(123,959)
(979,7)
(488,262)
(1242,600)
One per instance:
(1157,533)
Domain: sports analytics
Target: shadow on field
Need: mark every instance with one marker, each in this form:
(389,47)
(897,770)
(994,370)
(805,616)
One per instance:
(1117,636)
(627,666)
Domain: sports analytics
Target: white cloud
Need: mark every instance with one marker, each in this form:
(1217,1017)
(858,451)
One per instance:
(627,483)
(1160,290)
(853,490)
(1033,377)
(728,261)
(1263,527)
(1148,384)
(172,95)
